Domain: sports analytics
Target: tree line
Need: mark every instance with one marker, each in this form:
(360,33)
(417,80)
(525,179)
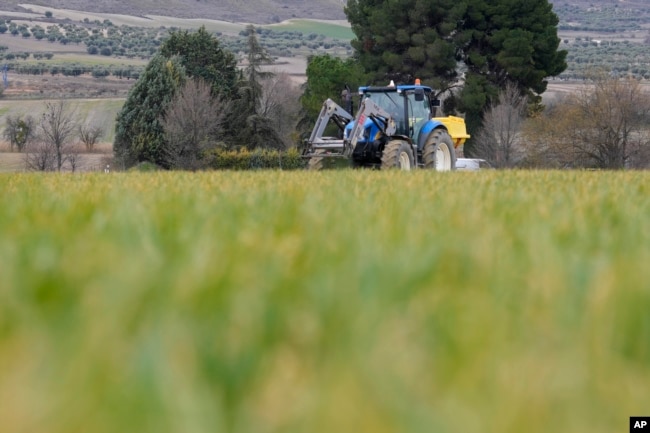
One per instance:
(192,97)
(49,141)
(76,69)
(106,39)
(602,125)
(605,18)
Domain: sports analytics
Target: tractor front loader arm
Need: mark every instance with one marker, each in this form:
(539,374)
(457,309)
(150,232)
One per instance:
(319,146)
(380,117)
(329,111)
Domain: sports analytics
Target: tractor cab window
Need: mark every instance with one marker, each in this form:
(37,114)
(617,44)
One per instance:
(419,113)
(393,103)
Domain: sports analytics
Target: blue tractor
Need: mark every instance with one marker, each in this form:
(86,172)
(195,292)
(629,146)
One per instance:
(394,128)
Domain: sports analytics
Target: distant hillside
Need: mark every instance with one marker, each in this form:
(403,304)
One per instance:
(574,14)
(254,11)
(605,16)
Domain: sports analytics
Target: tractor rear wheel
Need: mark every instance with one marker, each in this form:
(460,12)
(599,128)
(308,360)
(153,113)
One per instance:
(315,163)
(397,155)
(439,153)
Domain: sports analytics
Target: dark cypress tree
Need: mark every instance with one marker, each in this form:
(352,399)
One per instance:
(139,135)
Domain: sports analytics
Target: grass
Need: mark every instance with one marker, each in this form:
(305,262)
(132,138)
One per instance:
(339,301)
(330,30)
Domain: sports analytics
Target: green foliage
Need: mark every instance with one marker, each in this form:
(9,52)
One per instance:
(145,167)
(257,159)
(203,57)
(73,69)
(511,41)
(407,39)
(139,135)
(19,130)
(327,77)
(309,29)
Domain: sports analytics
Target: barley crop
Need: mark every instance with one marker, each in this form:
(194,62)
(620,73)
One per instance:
(338,301)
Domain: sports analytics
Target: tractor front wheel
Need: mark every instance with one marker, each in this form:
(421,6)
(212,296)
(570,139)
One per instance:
(397,155)
(439,153)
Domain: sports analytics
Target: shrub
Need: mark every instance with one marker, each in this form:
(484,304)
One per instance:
(220,159)
(145,167)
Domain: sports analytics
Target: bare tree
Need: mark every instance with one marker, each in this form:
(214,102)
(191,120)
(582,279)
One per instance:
(545,142)
(498,141)
(613,121)
(280,103)
(192,124)
(89,135)
(40,156)
(73,159)
(57,129)
(19,131)
(603,126)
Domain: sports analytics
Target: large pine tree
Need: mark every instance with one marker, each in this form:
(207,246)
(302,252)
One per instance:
(506,41)
(406,39)
(203,57)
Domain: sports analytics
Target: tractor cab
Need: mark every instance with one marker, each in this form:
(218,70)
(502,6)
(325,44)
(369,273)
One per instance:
(410,106)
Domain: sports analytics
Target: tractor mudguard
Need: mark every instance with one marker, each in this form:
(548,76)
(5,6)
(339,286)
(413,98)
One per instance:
(427,129)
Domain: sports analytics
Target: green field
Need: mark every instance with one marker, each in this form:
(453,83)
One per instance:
(334,30)
(338,301)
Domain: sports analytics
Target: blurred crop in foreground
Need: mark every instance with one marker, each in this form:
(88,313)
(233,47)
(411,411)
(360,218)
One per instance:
(333,302)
